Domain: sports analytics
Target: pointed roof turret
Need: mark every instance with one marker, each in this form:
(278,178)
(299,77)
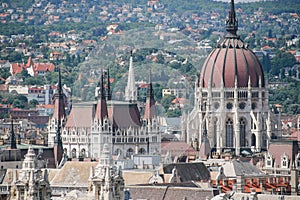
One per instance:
(30,161)
(108,92)
(12,138)
(205,148)
(131,90)
(150,111)
(101,109)
(59,104)
(59,113)
(231,21)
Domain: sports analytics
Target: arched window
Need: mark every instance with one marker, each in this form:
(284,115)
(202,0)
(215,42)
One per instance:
(243,140)
(118,152)
(264,140)
(229,133)
(82,154)
(269,160)
(142,151)
(253,140)
(74,153)
(129,152)
(284,161)
(215,131)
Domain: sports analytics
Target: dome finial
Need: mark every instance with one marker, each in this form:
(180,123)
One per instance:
(231,21)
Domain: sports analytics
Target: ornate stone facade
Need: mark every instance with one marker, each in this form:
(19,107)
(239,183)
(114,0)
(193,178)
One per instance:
(106,181)
(118,123)
(231,98)
(31,182)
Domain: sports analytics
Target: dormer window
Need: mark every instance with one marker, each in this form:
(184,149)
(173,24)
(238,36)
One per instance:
(284,161)
(269,161)
(298,160)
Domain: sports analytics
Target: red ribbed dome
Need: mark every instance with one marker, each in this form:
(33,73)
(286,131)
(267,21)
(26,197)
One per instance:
(230,59)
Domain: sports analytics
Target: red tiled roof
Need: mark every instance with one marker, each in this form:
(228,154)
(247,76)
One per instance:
(17,68)
(44,67)
(37,67)
(48,106)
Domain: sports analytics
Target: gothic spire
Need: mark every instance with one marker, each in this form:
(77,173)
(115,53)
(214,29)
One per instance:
(231,22)
(12,138)
(59,107)
(131,90)
(150,112)
(59,113)
(101,110)
(108,92)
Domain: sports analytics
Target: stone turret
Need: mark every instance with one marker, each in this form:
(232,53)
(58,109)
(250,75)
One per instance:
(31,182)
(131,90)
(106,182)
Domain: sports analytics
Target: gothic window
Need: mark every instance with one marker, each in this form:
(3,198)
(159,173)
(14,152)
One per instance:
(129,152)
(83,153)
(264,140)
(118,151)
(243,142)
(74,153)
(253,140)
(154,139)
(229,133)
(215,131)
(142,151)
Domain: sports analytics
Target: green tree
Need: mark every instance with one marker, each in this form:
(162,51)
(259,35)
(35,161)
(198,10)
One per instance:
(33,103)
(4,74)
(174,113)
(281,60)
(167,100)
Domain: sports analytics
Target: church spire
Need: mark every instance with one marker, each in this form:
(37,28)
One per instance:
(59,107)
(59,113)
(108,92)
(12,138)
(101,110)
(231,22)
(150,102)
(131,90)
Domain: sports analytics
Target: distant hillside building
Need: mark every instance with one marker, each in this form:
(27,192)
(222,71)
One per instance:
(32,68)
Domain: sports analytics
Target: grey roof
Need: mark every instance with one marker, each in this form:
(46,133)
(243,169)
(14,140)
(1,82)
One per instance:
(189,171)
(170,192)
(235,168)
